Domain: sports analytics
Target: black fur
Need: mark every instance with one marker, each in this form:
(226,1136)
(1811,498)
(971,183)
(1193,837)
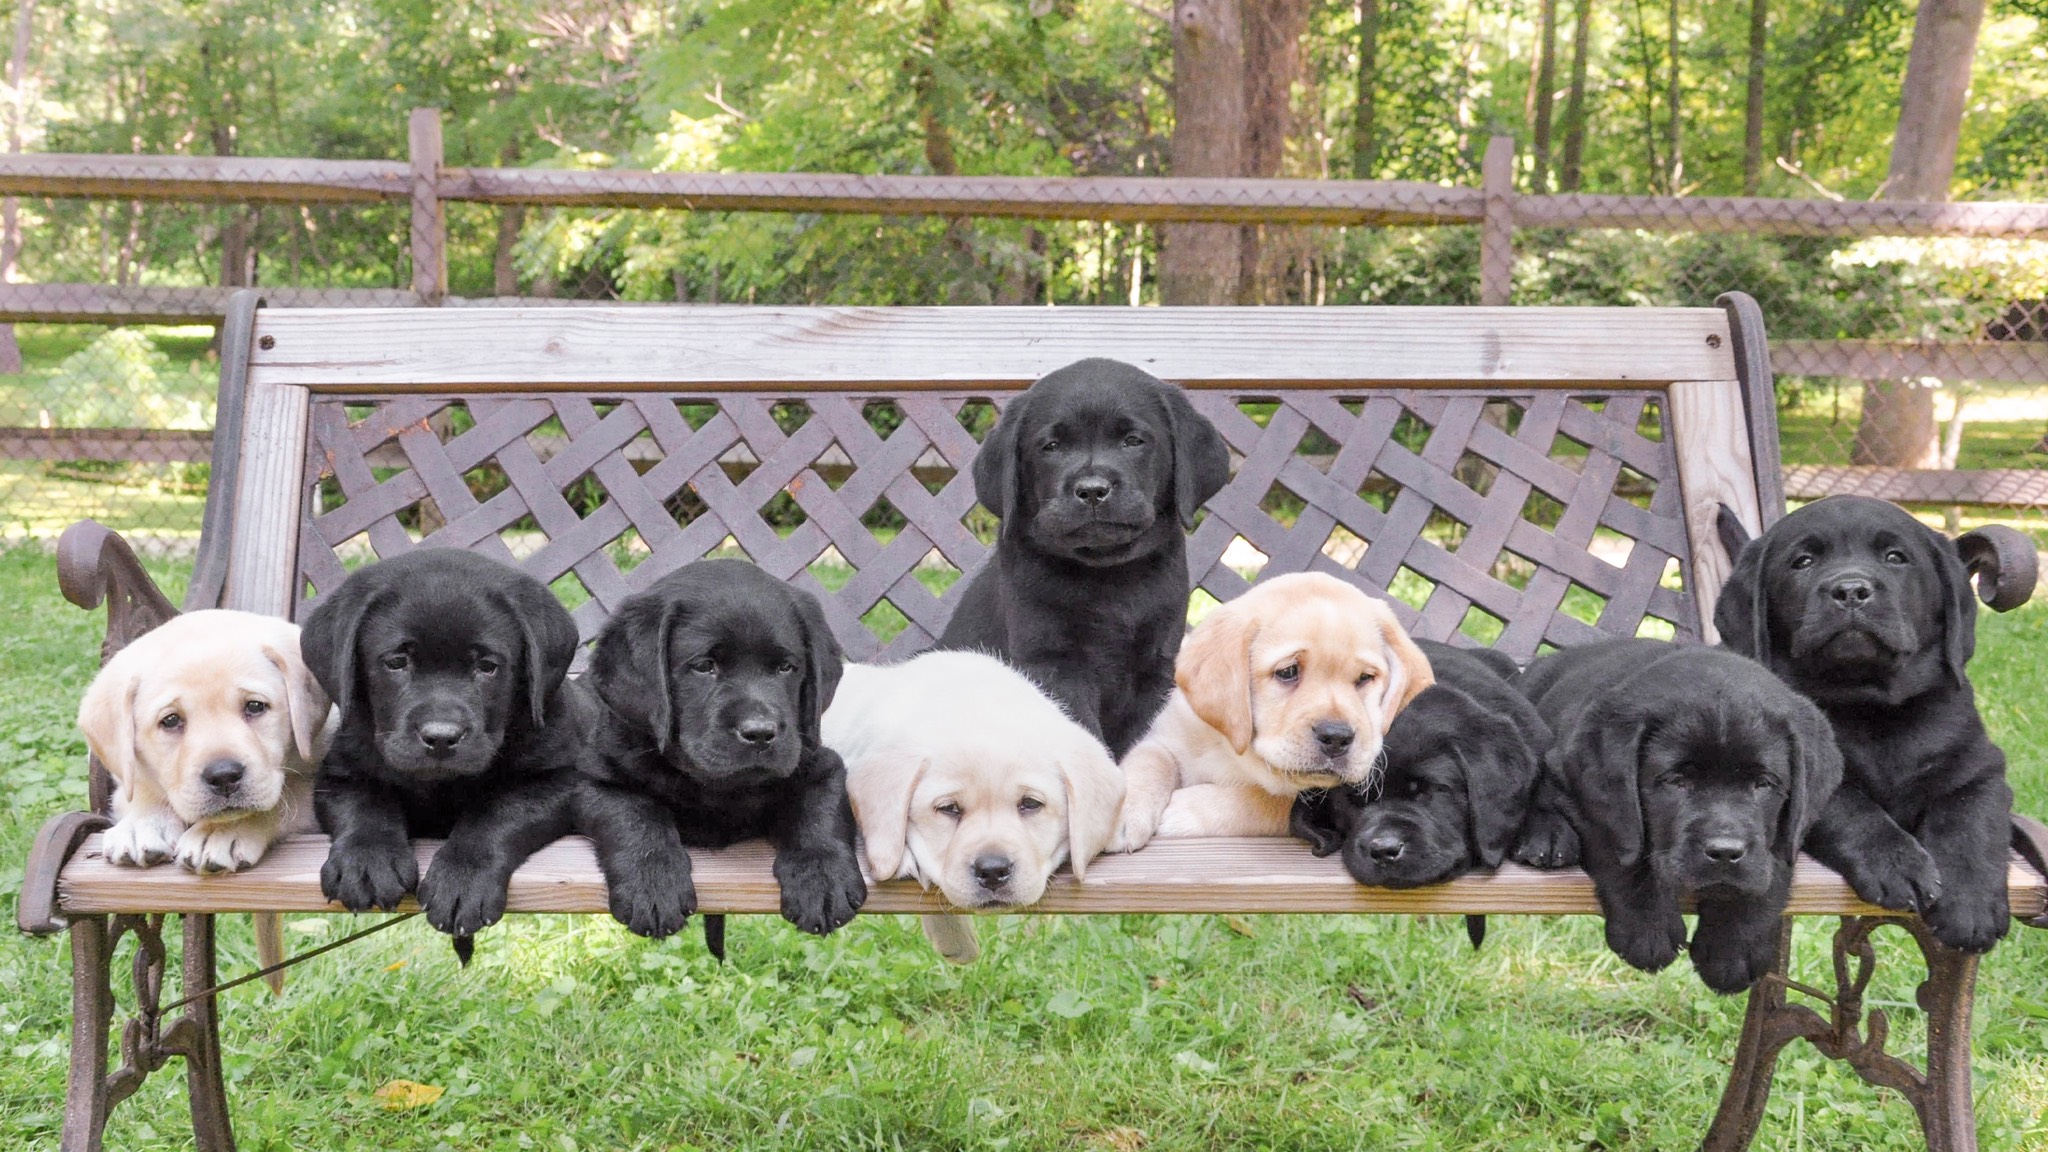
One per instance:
(687,671)
(439,643)
(1685,772)
(1089,598)
(1871,614)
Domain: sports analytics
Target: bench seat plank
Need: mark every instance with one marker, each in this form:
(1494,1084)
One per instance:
(612,350)
(1211,876)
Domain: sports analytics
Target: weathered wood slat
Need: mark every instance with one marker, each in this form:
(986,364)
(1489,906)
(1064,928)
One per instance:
(216,179)
(1139,198)
(1219,876)
(144,445)
(269,501)
(2007,487)
(856,349)
(1991,361)
(1709,432)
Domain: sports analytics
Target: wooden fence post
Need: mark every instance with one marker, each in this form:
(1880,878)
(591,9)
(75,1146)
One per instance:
(1497,231)
(429,222)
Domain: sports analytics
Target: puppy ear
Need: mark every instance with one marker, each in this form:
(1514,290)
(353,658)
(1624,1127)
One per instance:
(327,637)
(306,702)
(1500,773)
(107,717)
(1214,673)
(996,462)
(1316,818)
(1201,459)
(1742,615)
(824,663)
(1600,761)
(1408,670)
(629,666)
(1958,607)
(881,785)
(1816,773)
(548,634)
(1095,801)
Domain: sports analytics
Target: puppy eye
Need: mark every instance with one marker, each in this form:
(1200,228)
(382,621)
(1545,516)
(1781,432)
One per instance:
(485,666)
(1365,678)
(397,662)
(786,667)
(1799,562)
(1049,446)
(948,808)
(1896,556)
(172,722)
(1287,675)
(1030,804)
(703,665)
(252,709)
(1134,441)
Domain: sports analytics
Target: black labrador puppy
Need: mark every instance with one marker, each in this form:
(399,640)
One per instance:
(1686,772)
(1870,614)
(1096,471)
(456,722)
(712,683)
(1461,760)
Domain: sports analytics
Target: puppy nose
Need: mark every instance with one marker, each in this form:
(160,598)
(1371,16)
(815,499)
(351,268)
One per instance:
(1386,847)
(1334,736)
(991,871)
(441,736)
(1725,849)
(222,775)
(756,731)
(1851,592)
(1091,489)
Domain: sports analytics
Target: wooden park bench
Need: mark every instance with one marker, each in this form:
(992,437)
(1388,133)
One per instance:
(1526,477)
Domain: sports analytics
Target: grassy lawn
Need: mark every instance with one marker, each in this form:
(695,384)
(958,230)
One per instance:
(1104,1032)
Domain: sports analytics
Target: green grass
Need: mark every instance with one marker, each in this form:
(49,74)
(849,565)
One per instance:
(1083,1032)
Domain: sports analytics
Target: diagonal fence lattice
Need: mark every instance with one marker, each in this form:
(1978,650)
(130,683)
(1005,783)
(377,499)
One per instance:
(1518,520)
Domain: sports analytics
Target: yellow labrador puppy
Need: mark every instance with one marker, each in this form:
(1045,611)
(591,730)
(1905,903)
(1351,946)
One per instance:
(211,726)
(964,775)
(1289,687)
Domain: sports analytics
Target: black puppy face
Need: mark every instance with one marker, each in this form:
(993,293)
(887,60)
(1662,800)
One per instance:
(1450,799)
(726,669)
(1096,462)
(442,653)
(1853,600)
(1708,768)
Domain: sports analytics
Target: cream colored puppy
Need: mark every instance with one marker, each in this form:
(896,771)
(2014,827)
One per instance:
(212,727)
(1289,687)
(964,775)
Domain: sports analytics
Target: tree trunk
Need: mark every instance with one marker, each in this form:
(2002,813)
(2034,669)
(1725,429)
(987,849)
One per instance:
(1542,87)
(1199,262)
(1272,60)
(511,218)
(1673,158)
(962,285)
(1897,428)
(1365,145)
(1753,120)
(1575,104)
(10,211)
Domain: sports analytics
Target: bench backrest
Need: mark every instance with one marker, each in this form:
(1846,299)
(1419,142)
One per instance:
(1515,476)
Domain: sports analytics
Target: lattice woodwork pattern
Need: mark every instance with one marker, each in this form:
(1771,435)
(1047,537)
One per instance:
(1516,520)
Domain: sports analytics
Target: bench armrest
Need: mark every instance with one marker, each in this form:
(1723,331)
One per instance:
(36,912)
(2030,840)
(94,564)
(2004,562)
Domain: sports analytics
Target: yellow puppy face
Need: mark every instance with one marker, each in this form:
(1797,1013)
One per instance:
(1306,672)
(202,713)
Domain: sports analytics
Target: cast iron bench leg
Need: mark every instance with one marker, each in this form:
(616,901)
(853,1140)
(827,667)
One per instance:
(92,1016)
(1941,1097)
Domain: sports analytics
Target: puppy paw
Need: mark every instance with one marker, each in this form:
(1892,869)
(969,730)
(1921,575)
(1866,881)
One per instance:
(222,848)
(655,899)
(1970,922)
(1548,841)
(1904,879)
(1134,831)
(1645,943)
(820,893)
(462,897)
(143,838)
(1732,968)
(360,878)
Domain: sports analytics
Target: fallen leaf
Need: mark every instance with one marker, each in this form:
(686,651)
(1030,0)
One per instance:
(1240,925)
(1121,1139)
(406,1095)
(395,966)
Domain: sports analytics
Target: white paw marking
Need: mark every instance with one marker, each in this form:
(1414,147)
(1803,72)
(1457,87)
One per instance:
(141,839)
(228,848)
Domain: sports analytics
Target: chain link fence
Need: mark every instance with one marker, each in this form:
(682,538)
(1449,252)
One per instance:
(1910,340)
